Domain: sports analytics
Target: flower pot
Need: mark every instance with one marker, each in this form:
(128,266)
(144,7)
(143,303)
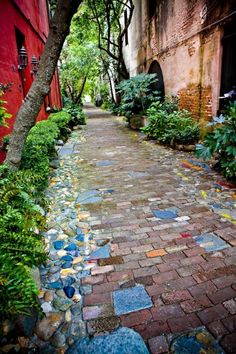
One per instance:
(137,121)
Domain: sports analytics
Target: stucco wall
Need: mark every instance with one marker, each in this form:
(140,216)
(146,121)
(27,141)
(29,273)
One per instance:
(19,14)
(184,36)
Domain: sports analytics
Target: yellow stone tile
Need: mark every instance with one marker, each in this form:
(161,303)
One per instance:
(156,253)
(203,194)
(76,297)
(77,260)
(67,271)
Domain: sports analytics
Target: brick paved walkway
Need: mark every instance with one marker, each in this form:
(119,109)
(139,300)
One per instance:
(171,229)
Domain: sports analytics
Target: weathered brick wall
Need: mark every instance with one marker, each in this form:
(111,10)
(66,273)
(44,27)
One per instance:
(197,100)
(184,38)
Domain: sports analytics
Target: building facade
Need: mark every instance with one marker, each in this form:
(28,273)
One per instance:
(24,27)
(191,45)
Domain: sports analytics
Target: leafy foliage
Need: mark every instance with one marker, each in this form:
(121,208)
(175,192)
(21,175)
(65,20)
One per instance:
(76,113)
(62,120)
(22,206)
(105,19)
(136,94)
(222,143)
(22,213)
(3,112)
(169,125)
(38,147)
(20,244)
(79,65)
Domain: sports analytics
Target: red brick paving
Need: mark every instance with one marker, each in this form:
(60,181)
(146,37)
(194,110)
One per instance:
(189,288)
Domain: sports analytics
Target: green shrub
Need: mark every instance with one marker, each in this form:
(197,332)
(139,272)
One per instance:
(136,94)
(22,216)
(81,117)
(76,112)
(62,119)
(3,112)
(39,146)
(21,246)
(171,126)
(221,143)
(45,134)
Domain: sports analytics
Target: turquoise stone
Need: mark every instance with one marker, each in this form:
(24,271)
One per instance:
(210,242)
(131,299)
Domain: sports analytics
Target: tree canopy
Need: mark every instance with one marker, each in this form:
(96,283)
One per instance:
(93,50)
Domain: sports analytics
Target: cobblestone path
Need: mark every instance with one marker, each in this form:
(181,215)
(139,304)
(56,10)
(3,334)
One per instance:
(148,237)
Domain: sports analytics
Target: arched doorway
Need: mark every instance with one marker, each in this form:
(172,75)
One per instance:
(159,84)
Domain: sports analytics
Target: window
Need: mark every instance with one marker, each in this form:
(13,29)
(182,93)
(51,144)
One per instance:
(20,39)
(152,4)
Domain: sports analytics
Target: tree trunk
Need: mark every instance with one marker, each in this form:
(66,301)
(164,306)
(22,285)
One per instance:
(78,98)
(27,115)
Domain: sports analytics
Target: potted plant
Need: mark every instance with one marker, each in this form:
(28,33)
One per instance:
(136,96)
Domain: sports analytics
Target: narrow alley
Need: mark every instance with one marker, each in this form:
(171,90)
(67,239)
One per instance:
(140,236)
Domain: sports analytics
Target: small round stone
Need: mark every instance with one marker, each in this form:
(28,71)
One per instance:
(46,307)
(58,340)
(48,296)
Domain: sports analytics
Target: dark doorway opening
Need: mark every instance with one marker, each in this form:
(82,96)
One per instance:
(228,70)
(159,84)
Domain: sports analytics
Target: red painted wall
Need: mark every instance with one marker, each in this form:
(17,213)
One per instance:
(31,19)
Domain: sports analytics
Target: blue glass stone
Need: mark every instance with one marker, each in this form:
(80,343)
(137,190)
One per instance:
(199,164)
(71,247)
(131,299)
(90,237)
(92,200)
(100,253)
(104,163)
(67,258)
(217,186)
(58,245)
(86,195)
(164,214)
(74,253)
(68,281)
(210,242)
(54,285)
(66,265)
(79,231)
(69,291)
(83,274)
(110,191)
(57,263)
(80,238)
(217,206)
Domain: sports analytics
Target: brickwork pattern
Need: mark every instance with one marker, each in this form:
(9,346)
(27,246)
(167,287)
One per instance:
(188,286)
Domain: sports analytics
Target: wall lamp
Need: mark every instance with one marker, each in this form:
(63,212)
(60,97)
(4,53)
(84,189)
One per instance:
(34,65)
(22,58)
